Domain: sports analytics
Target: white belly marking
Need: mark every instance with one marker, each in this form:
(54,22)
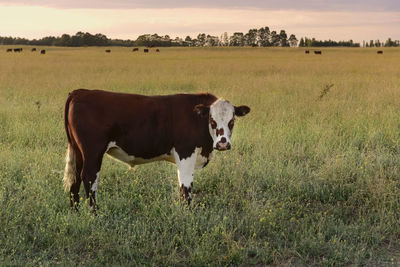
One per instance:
(118,153)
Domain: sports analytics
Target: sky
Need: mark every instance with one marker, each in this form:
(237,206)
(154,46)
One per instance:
(127,19)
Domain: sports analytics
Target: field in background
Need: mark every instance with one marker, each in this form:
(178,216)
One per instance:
(312,178)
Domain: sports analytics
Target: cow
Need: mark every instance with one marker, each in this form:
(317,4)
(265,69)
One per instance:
(135,49)
(379,52)
(307,51)
(318,52)
(33,49)
(183,129)
(9,50)
(18,50)
(146,50)
(108,51)
(42,51)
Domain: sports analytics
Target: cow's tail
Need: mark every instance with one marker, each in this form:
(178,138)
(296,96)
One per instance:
(70,159)
(66,111)
(70,168)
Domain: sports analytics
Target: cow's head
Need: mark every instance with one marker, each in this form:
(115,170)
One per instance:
(221,120)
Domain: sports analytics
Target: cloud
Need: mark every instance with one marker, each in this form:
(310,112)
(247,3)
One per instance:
(322,5)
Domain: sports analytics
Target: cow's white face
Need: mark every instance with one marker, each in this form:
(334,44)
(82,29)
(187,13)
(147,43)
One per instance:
(221,122)
(221,116)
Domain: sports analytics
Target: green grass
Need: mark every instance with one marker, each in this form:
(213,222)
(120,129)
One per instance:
(308,181)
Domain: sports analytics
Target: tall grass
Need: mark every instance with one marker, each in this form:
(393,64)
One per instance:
(310,180)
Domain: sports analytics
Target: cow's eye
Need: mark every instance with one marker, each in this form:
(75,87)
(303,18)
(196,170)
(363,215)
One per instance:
(231,124)
(213,123)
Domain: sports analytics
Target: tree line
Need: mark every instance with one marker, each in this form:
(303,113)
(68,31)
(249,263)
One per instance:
(79,39)
(389,43)
(254,37)
(262,37)
(312,42)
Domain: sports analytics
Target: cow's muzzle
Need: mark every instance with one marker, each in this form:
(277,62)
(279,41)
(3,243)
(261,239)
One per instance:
(223,145)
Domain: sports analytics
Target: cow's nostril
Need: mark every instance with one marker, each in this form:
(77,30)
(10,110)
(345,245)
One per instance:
(223,140)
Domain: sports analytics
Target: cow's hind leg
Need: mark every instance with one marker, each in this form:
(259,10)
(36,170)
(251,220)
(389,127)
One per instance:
(90,176)
(72,179)
(74,191)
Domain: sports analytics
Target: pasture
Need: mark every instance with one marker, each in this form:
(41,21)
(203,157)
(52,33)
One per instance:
(312,177)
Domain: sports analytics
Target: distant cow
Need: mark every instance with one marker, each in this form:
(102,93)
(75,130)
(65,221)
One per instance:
(318,52)
(108,51)
(307,51)
(183,129)
(379,52)
(33,49)
(18,50)
(146,50)
(135,49)
(9,50)
(157,50)
(42,51)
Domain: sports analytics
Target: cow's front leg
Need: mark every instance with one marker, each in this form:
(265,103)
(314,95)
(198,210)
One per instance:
(185,174)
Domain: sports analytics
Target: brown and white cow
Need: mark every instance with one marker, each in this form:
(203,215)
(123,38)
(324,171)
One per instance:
(183,129)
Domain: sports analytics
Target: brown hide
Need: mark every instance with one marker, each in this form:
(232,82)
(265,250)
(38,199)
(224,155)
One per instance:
(143,126)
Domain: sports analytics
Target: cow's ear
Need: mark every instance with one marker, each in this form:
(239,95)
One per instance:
(202,110)
(241,110)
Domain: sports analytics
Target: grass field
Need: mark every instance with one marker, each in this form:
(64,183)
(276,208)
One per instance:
(310,180)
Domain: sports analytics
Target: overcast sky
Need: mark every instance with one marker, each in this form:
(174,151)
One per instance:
(336,19)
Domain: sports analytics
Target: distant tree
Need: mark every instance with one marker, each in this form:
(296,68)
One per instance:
(264,36)
(390,43)
(237,39)
(250,39)
(201,38)
(211,41)
(371,43)
(178,42)
(48,41)
(143,40)
(102,40)
(77,39)
(301,44)
(120,42)
(65,40)
(274,39)
(165,40)
(225,39)
(293,40)
(188,41)
(283,38)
